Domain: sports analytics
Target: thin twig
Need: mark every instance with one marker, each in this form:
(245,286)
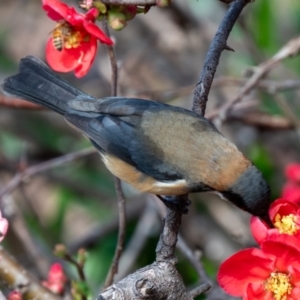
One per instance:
(79,268)
(144,228)
(215,50)
(205,287)
(121,235)
(262,120)
(113,63)
(97,233)
(6,101)
(291,49)
(270,86)
(20,229)
(121,199)
(194,261)
(41,167)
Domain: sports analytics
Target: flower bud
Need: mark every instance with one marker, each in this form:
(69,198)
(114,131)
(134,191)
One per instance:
(163,3)
(60,250)
(116,20)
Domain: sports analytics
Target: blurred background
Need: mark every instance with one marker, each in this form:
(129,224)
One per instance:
(160,56)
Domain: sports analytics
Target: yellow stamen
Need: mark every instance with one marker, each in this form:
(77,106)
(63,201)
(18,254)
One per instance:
(73,40)
(70,36)
(279,284)
(286,224)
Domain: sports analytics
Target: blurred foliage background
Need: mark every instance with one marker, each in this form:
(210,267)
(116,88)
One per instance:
(160,55)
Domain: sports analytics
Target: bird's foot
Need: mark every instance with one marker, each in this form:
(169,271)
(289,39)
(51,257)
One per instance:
(177,203)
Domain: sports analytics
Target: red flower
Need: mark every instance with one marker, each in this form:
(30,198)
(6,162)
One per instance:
(285,216)
(269,273)
(292,172)
(291,191)
(56,279)
(73,43)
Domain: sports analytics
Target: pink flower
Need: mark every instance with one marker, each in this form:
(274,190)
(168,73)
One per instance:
(73,43)
(292,172)
(56,279)
(3,227)
(291,191)
(14,295)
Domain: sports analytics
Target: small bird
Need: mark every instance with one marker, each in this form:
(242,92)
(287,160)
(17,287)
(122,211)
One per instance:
(155,147)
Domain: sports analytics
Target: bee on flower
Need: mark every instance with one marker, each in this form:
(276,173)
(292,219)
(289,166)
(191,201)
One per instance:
(72,46)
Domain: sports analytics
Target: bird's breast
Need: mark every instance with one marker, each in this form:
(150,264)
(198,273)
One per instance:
(142,182)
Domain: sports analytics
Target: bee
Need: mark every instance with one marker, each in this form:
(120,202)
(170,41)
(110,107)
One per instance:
(59,34)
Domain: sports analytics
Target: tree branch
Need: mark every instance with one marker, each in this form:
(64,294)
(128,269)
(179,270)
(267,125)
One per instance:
(20,177)
(113,270)
(215,50)
(17,278)
(10,102)
(291,49)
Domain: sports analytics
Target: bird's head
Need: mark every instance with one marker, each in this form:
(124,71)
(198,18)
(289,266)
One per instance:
(251,193)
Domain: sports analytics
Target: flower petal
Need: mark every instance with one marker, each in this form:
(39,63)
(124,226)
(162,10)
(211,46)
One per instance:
(242,268)
(291,192)
(92,14)
(55,9)
(259,229)
(88,54)
(284,254)
(14,295)
(61,61)
(295,295)
(282,207)
(97,33)
(75,18)
(292,172)
(257,292)
(3,228)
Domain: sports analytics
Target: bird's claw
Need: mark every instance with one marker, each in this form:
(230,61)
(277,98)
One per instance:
(177,203)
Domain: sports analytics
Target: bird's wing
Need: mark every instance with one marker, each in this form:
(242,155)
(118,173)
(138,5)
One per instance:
(117,106)
(112,125)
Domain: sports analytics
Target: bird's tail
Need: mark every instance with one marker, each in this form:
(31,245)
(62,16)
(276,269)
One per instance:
(36,83)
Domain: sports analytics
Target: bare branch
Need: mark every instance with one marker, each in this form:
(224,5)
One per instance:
(167,242)
(215,50)
(17,278)
(113,270)
(205,287)
(262,120)
(97,233)
(291,49)
(20,177)
(6,101)
(113,63)
(194,261)
(19,227)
